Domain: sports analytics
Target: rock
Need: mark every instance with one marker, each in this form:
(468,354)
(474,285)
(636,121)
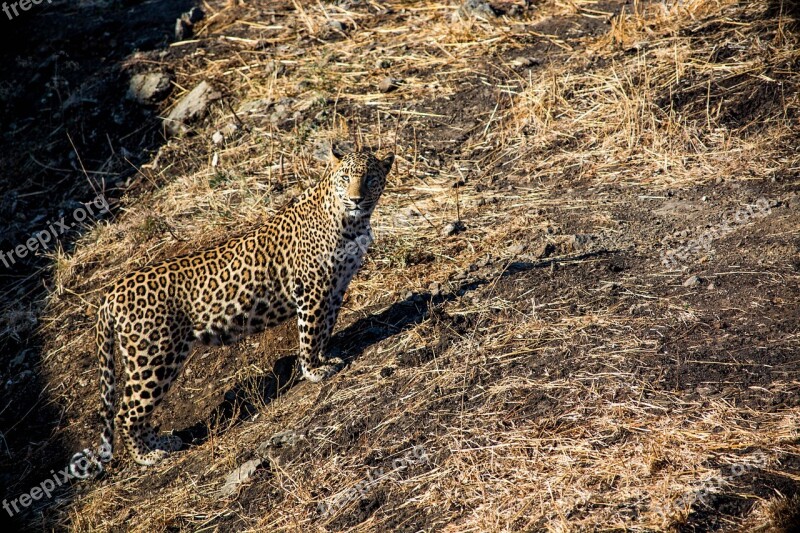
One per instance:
(19,378)
(525,62)
(184,26)
(516,249)
(183,30)
(478,202)
(579,241)
(474,8)
(284,438)
(149,88)
(280,114)
(252,107)
(388,84)
(335,25)
(19,359)
(217,137)
(238,476)
(435,288)
(692,281)
(194,15)
(191,107)
(453,228)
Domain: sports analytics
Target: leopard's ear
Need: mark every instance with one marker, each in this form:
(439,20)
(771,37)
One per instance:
(337,153)
(387,162)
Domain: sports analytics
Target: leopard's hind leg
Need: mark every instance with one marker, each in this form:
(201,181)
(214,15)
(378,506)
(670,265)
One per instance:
(151,368)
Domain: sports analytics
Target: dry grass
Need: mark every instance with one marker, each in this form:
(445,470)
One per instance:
(534,417)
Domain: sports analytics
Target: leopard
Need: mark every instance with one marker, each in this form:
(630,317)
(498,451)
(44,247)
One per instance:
(297,264)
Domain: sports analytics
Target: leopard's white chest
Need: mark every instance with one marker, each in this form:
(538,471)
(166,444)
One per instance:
(348,257)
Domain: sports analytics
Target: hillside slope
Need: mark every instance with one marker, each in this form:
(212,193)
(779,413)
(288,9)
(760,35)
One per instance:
(604,338)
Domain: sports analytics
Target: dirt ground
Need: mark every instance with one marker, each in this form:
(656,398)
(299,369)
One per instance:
(604,339)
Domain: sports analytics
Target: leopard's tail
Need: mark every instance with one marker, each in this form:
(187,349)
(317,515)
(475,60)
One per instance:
(85,464)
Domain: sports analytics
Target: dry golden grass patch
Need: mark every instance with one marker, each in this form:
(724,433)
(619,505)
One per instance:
(542,398)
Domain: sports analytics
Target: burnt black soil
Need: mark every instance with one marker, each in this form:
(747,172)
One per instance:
(67,135)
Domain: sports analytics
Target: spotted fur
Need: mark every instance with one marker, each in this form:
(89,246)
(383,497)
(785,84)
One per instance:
(300,263)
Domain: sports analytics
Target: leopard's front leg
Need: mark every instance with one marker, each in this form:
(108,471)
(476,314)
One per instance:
(316,316)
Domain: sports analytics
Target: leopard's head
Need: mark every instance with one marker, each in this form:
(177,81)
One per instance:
(359,180)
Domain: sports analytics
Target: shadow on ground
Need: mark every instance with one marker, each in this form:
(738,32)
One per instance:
(68,136)
(243,401)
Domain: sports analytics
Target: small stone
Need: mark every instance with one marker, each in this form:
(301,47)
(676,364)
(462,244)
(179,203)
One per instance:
(19,359)
(217,137)
(525,62)
(579,241)
(191,107)
(252,107)
(388,84)
(183,30)
(516,249)
(284,438)
(435,288)
(335,25)
(149,88)
(194,15)
(711,286)
(453,228)
(692,281)
(475,8)
(238,476)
